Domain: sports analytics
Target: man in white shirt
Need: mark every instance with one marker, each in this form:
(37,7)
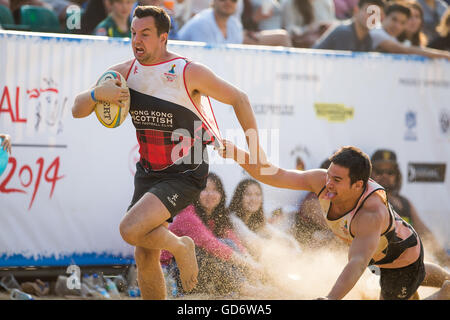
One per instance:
(218,25)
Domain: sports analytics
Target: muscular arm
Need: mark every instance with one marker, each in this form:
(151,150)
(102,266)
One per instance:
(394,47)
(109,91)
(202,81)
(366,228)
(268,173)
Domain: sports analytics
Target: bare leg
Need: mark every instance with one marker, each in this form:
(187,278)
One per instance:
(437,276)
(149,273)
(145,226)
(443,294)
(182,248)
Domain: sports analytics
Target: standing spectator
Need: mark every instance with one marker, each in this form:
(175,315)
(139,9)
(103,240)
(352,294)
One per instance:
(307,20)
(117,24)
(384,38)
(351,35)
(413,34)
(385,171)
(443,41)
(218,25)
(219,251)
(433,10)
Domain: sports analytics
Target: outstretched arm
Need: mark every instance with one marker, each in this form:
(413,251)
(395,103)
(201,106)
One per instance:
(268,173)
(200,80)
(394,47)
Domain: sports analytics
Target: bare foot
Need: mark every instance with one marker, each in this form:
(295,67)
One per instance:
(187,263)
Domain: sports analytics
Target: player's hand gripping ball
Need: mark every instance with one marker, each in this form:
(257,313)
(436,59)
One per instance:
(109,114)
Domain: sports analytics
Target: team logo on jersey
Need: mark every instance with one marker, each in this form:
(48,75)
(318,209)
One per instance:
(170,75)
(345,227)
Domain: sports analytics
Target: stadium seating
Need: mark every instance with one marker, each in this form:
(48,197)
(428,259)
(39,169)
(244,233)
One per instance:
(39,19)
(6,18)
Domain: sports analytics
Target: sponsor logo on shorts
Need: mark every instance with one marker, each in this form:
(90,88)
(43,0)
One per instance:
(403,294)
(173,199)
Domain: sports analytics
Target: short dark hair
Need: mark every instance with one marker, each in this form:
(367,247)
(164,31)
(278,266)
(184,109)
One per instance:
(398,7)
(379,3)
(162,19)
(356,161)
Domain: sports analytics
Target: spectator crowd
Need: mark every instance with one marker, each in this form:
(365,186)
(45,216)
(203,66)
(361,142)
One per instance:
(418,27)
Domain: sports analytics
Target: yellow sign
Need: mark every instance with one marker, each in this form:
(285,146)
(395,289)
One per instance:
(334,112)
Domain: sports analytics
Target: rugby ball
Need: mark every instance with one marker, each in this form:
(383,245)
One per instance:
(109,114)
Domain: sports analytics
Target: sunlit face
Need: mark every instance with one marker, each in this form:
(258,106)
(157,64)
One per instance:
(384,173)
(210,197)
(395,23)
(252,199)
(122,8)
(414,22)
(338,184)
(145,41)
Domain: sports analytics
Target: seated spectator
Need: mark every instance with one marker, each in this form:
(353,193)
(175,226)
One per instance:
(117,23)
(386,171)
(344,8)
(443,41)
(247,204)
(384,38)
(266,14)
(433,10)
(413,34)
(351,35)
(219,251)
(218,25)
(182,11)
(307,20)
(95,11)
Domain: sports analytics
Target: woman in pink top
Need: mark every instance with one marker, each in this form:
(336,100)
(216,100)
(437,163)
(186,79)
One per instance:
(219,251)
